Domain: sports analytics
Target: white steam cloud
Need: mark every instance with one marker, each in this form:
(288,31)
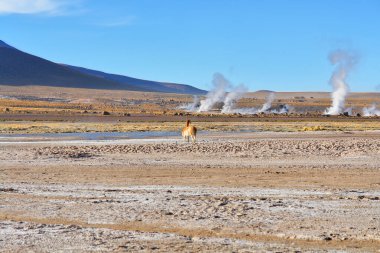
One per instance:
(193,106)
(344,62)
(219,98)
(215,95)
(268,102)
(266,108)
(371,111)
(233,97)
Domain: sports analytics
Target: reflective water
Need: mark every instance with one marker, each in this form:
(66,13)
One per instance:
(91,136)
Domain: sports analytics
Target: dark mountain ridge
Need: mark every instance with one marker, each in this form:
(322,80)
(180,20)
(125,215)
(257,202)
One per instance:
(18,68)
(143,84)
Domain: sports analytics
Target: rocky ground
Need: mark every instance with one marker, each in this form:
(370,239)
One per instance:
(236,192)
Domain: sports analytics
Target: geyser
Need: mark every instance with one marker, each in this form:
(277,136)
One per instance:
(217,94)
(344,62)
(219,98)
(268,102)
(232,97)
(371,111)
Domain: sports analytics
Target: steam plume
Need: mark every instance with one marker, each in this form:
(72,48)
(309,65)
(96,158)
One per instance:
(233,97)
(217,94)
(219,98)
(344,62)
(268,102)
(371,111)
(193,106)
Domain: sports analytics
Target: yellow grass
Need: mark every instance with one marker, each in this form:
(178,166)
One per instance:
(69,127)
(313,128)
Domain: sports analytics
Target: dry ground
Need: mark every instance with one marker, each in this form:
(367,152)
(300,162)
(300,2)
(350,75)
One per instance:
(45,101)
(204,124)
(235,192)
(299,182)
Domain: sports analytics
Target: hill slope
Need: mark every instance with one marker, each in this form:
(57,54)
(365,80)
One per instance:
(143,84)
(18,68)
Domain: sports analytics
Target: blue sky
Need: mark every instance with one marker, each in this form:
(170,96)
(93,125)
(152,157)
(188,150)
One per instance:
(280,45)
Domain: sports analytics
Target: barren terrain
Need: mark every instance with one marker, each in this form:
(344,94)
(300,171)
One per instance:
(69,103)
(242,192)
(95,170)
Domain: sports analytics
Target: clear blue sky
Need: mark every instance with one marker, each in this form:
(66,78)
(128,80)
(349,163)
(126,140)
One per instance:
(280,45)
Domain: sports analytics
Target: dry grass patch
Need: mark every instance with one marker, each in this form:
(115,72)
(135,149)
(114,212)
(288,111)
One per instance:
(81,127)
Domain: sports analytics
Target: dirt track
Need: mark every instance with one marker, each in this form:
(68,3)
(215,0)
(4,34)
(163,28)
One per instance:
(236,192)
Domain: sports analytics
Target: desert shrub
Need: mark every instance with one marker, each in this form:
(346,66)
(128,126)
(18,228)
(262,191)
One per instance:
(313,128)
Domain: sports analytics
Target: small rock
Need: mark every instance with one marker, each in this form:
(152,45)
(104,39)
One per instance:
(7,190)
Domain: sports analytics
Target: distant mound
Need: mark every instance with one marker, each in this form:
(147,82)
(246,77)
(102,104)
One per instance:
(266,91)
(18,68)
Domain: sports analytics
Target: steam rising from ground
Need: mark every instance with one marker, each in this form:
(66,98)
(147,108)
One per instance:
(219,98)
(371,111)
(268,102)
(193,106)
(217,94)
(344,62)
(232,97)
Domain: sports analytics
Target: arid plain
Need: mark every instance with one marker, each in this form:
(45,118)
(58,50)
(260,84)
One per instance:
(82,172)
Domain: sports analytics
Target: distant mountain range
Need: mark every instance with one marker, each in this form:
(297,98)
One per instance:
(18,68)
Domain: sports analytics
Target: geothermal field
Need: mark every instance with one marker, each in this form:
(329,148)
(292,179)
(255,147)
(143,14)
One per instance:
(95,170)
(278,173)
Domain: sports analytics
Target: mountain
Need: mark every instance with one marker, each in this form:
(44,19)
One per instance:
(3,44)
(266,91)
(18,68)
(143,84)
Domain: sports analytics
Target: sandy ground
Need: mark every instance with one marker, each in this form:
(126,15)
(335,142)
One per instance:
(234,192)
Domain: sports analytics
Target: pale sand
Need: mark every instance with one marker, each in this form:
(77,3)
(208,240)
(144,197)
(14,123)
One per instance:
(238,192)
